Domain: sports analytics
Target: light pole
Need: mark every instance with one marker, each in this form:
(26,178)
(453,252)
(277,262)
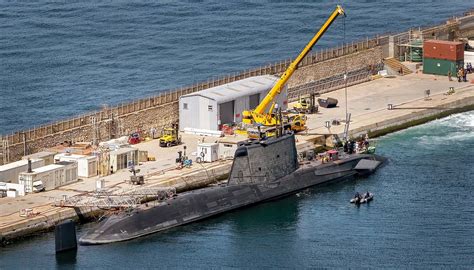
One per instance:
(345,90)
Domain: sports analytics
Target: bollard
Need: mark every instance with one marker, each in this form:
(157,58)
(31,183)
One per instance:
(65,236)
(327,124)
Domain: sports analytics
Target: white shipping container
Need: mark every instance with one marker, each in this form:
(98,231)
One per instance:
(207,152)
(20,189)
(52,176)
(86,165)
(9,172)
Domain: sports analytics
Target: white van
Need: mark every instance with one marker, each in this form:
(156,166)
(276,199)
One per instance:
(38,186)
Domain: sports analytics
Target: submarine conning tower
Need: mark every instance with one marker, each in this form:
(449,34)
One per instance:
(264,161)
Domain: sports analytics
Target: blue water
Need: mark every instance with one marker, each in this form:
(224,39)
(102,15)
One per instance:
(422,217)
(62,58)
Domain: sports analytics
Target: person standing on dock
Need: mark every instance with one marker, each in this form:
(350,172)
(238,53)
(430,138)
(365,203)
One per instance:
(464,75)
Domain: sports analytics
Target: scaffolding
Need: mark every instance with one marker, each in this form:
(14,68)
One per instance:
(110,198)
(5,152)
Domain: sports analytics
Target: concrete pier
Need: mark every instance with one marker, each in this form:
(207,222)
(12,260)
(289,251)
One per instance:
(367,102)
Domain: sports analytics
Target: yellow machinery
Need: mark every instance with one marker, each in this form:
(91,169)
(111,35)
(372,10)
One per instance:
(297,122)
(259,115)
(170,136)
(306,104)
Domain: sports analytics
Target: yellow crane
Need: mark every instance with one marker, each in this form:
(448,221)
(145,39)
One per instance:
(259,115)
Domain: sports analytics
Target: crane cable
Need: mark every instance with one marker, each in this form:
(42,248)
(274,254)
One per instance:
(346,77)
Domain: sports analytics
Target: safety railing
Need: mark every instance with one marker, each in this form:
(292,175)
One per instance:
(334,82)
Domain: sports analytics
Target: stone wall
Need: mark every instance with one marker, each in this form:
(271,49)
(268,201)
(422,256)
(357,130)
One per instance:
(159,117)
(333,67)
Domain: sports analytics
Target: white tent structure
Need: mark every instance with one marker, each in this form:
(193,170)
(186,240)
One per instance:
(210,108)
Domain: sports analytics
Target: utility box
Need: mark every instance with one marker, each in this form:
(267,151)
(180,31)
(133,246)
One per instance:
(9,172)
(100,184)
(207,152)
(86,165)
(47,156)
(123,158)
(52,176)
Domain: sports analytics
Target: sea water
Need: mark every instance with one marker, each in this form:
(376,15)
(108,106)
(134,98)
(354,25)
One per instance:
(422,216)
(63,58)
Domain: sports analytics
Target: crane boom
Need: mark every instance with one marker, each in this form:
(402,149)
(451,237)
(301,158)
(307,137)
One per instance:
(258,114)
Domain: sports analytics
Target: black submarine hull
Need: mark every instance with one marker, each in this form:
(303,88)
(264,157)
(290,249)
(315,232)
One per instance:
(203,203)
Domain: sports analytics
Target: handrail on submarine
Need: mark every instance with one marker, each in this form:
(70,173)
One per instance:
(258,115)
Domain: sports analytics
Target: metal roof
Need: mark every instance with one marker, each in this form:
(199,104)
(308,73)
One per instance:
(47,168)
(17,164)
(231,91)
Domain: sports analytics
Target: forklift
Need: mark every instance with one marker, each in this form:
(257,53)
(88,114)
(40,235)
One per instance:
(307,104)
(170,136)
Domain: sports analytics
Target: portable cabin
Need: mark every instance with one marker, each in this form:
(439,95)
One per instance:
(123,158)
(211,108)
(51,176)
(9,172)
(86,165)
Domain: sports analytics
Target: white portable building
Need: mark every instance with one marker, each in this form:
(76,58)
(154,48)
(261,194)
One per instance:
(52,176)
(207,152)
(47,156)
(123,158)
(17,188)
(210,108)
(9,172)
(86,165)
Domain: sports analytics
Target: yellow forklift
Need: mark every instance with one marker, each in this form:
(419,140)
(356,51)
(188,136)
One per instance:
(170,136)
(307,104)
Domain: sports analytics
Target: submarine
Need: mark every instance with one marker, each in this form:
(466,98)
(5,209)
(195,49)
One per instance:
(261,171)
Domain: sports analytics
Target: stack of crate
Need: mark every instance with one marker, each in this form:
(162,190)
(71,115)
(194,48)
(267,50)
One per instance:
(440,57)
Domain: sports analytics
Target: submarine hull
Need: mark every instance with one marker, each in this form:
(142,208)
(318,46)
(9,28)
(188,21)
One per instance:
(239,192)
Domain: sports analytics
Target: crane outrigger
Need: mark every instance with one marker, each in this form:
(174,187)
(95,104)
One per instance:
(259,116)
